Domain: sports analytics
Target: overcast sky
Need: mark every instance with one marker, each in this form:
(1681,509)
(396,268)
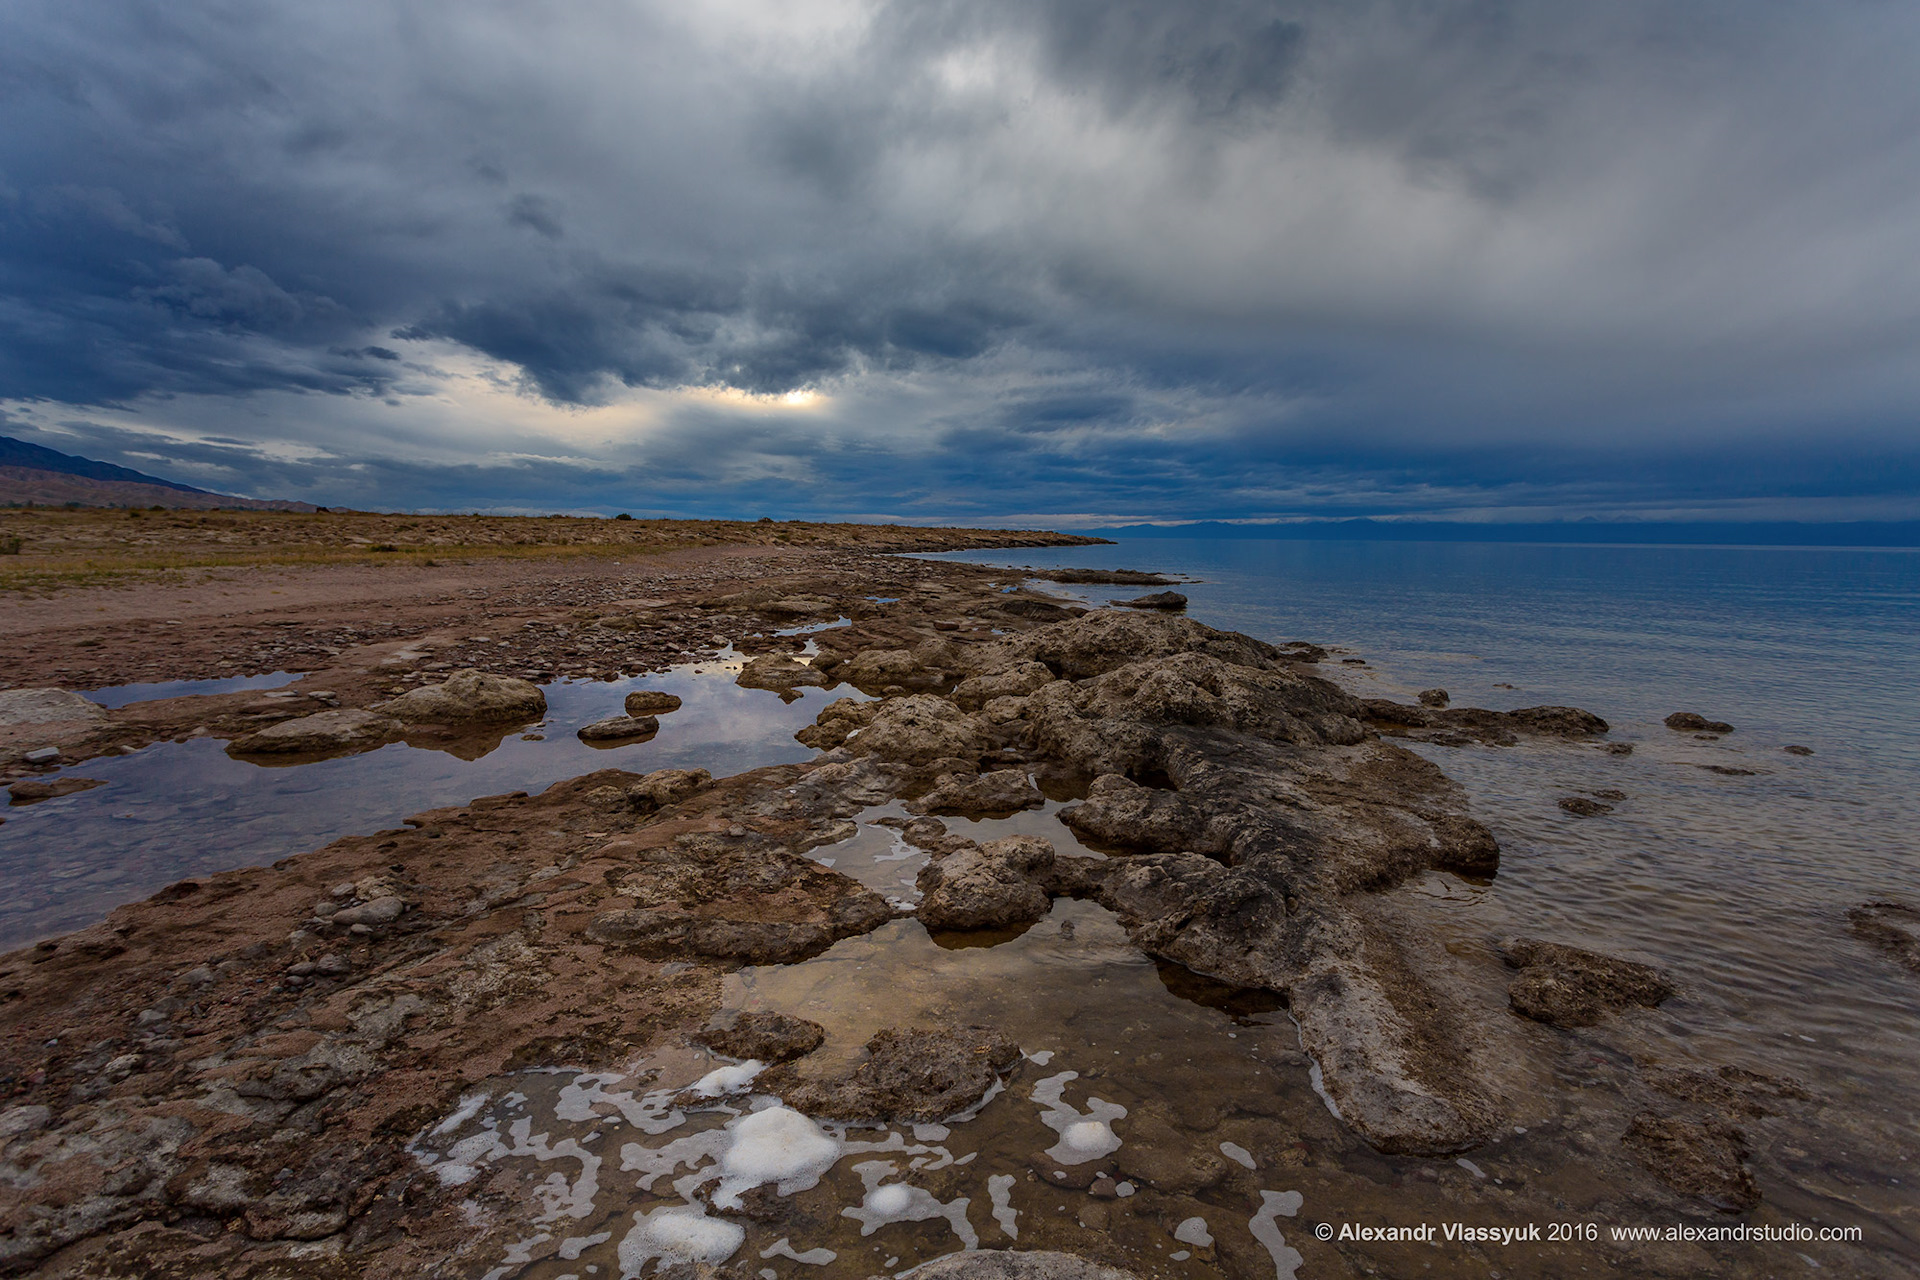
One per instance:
(1053,261)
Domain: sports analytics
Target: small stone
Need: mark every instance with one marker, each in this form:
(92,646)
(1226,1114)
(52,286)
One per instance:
(1104,1189)
(1434,698)
(302,968)
(359,929)
(1797,750)
(333,965)
(42,755)
(342,890)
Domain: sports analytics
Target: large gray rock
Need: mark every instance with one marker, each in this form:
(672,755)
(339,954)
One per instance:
(324,731)
(921,729)
(778,671)
(47,706)
(470,696)
(618,728)
(992,886)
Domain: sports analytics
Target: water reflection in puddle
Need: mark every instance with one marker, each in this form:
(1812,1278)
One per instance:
(121,695)
(182,809)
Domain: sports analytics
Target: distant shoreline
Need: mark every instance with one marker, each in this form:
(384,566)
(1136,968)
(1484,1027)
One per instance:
(1862,535)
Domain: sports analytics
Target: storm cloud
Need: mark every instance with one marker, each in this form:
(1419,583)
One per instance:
(1060,260)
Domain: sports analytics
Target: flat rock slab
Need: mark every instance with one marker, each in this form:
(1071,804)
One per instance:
(470,695)
(47,706)
(323,731)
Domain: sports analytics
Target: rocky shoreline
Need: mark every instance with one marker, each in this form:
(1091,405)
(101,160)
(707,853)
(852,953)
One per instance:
(226,1077)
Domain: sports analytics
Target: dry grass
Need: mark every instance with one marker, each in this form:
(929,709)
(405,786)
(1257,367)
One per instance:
(60,547)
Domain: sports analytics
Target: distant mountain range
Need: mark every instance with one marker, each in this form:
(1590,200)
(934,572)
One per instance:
(33,474)
(1864,533)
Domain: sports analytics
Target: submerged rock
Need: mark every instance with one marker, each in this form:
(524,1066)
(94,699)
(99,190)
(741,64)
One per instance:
(28,790)
(1582,807)
(1568,987)
(322,731)
(470,695)
(1701,1158)
(919,1076)
(1694,722)
(1733,1090)
(1893,927)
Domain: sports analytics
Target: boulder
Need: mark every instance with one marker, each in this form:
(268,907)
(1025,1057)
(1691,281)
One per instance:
(47,706)
(996,794)
(916,1076)
(1436,698)
(470,695)
(651,702)
(1568,987)
(322,731)
(777,671)
(1016,681)
(617,728)
(920,729)
(992,886)
(1157,600)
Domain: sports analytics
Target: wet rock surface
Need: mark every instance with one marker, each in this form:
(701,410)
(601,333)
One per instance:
(1569,987)
(1694,722)
(1453,726)
(469,696)
(761,1036)
(618,729)
(651,702)
(323,731)
(918,1075)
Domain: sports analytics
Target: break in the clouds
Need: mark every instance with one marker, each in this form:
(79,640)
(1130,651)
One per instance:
(1055,260)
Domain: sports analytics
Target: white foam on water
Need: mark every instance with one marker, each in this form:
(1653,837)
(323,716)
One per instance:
(999,1187)
(777,1145)
(886,1202)
(1238,1154)
(677,1233)
(1084,1135)
(722,1081)
(1041,1058)
(1194,1231)
(653,1113)
(573,1246)
(783,1248)
(1266,1229)
(653,1162)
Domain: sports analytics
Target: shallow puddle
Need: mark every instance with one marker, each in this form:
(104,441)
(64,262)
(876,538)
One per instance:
(121,695)
(179,809)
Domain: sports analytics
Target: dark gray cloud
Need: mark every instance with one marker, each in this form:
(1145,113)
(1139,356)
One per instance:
(1225,257)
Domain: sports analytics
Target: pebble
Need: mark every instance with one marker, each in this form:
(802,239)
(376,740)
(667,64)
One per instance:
(42,755)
